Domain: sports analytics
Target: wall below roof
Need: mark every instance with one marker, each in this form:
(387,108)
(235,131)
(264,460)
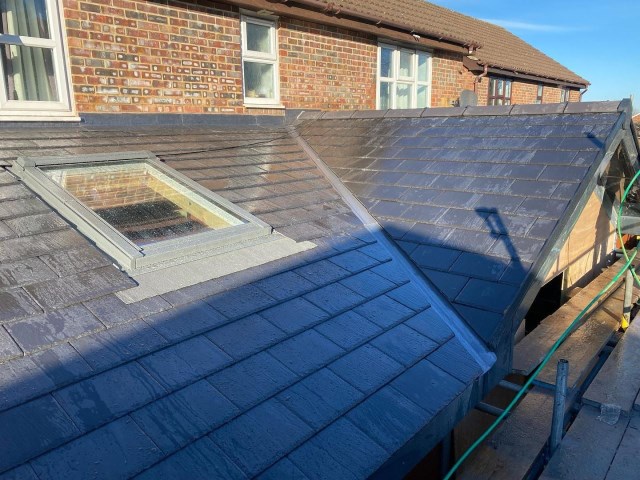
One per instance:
(136,56)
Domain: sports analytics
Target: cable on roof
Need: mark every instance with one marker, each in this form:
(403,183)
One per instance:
(560,339)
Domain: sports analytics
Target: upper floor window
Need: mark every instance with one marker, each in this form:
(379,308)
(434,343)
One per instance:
(564,94)
(539,93)
(260,61)
(32,60)
(499,91)
(404,78)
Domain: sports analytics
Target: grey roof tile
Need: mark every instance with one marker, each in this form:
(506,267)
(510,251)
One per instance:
(240,301)
(120,449)
(20,208)
(253,379)
(16,304)
(110,310)
(17,274)
(348,329)
(261,436)
(185,321)
(31,225)
(184,362)
(366,368)
(410,296)
(426,233)
(23,472)
(434,257)
(431,325)
(479,266)
(428,386)
(8,348)
(563,173)
(201,460)
(31,429)
(320,398)
(306,352)
(526,249)
(246,336)
(97,400)
(62,364)
(404,344)
(40,244)
(389,418)
(177,419)
(341,451)
(490,296)
(35,333)
(75,260)
(334,298)
(285,285)
(118,344)
(353,261)
(294,315)
(283,469)
(22,380)
(449,284)
(454,359)
(384,311)
(149,306)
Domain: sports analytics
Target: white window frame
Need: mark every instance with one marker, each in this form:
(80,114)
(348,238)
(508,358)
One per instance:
(395,79)
(565,94)
(261,57)
(33,109)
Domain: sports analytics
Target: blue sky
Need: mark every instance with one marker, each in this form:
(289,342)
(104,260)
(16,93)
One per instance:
(596,39)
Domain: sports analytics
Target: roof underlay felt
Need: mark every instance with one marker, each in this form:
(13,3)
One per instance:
(476,198)
(325,364)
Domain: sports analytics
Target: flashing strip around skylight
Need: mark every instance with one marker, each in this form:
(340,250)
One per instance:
(136,209)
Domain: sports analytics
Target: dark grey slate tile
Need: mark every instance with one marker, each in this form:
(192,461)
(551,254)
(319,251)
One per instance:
(75,260)
(99,399)
(261,436)
(252,380)
(348,329)
(35,333)
(110,310)
(21,208)
(525,249)
(468,219)
(62,364)
(484,323)
(79,287)
(186,320)
(294,315)
(457,199)
(14,192)
(420,195)
(564,173)
(449,284)
(565,191)
(177,419)
(23,273)
(425,233)
(33,224)
(587,158)
(542,228)
(424,213)
(389,418)
(377,252)
(434,257)
(404,344)
(334,298)
(306,352)
(40,244)
(185,362)
(386,208)
(246,336)
(489,185)
(31,429)
(368,284)
(515,272)
(285,285)
(320,398)
(395,228)
(5,231)
(341,451)
(428,386)
(240,301)
(392,271)
(8,348)
(149,306)
(21,380)
(540,207)
(353,261)
(470,241)
(512,225)
(366,368)
(409,295)
(532,188)
(283,469)
(16,304)
(201,460)
(453,358)
(119,344)
(430,324)
(525,172)
(479,266)
(118,450)
(384,311)
(491,296)
(23,472)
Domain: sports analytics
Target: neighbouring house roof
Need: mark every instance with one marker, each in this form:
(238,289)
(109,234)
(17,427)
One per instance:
(324,364)
(342,361)
(479,198)
(497,47)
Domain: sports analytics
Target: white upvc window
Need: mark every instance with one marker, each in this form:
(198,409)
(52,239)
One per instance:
(260,61)
(33,71)
(404,77)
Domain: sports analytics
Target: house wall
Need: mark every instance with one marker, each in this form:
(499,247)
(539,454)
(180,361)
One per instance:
(137,56)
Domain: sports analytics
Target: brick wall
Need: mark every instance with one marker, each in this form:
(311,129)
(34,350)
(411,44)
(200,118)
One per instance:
(137,56)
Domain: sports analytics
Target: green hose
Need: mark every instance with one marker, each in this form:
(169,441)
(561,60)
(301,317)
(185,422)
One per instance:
(557,343)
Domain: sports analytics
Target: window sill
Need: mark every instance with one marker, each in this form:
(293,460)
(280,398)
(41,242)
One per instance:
(4,117)
(264,105)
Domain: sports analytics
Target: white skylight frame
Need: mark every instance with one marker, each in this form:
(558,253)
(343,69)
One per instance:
(130,256)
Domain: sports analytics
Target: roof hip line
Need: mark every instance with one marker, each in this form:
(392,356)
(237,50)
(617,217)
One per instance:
(475,346)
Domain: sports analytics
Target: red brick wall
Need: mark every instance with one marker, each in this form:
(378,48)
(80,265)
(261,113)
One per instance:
(146,57)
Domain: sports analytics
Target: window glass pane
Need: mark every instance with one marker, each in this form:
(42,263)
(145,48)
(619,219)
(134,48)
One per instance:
(385,95)
(500,88)
(422,96)
(403,96)
(386,62)
(540,87)
(423,67)
(258,38)
(492,87)
(507,88)
(141,202)
(29,73)
(26,18)
(406,64)
(258,80)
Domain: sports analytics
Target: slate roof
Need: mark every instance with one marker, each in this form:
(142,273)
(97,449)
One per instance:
(478,197)
(319,365)
(498,47)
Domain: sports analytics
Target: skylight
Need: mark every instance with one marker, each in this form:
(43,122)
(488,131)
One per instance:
(137,209)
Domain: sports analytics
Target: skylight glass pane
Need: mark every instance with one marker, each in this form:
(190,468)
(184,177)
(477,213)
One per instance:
(140,201)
